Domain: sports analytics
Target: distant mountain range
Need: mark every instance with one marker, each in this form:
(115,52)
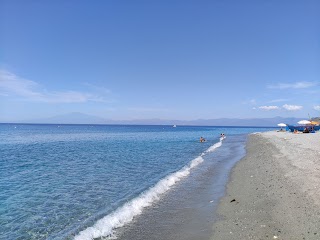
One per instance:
(81,118)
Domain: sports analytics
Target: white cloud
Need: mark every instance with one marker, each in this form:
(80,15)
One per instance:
(148,109)
(67,96)
(296,85)
(13,85)
(292,107)
(278,100)
(268,108)
(317,108)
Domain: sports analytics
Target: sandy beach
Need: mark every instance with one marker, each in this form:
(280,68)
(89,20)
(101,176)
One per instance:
(274,192)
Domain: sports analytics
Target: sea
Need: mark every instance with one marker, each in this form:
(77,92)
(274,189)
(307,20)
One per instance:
(114,181)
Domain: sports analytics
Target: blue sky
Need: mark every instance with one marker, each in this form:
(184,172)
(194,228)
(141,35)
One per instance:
(159,59)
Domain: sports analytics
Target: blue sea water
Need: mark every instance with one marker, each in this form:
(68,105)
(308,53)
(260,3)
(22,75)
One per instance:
(84,181)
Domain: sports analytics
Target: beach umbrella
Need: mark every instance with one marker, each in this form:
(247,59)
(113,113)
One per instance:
(304,122)
(282,125)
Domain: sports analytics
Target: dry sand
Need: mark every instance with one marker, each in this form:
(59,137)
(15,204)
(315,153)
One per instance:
(274,192)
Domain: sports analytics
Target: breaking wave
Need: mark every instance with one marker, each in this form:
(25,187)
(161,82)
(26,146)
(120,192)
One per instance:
(125,214)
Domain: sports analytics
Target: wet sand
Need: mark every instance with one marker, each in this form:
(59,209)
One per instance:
(274,192)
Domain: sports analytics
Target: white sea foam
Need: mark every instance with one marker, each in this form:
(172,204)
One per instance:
(254,133)
(222,138)
(215,146)
(125,214)
(105,226)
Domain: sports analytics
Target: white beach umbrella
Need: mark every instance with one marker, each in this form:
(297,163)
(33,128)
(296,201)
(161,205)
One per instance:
(304,122)
(281,125)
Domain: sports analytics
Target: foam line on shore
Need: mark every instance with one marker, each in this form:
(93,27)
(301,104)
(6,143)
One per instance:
(214,147)
(125,214)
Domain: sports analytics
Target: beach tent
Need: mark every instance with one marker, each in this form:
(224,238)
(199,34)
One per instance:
(281,125)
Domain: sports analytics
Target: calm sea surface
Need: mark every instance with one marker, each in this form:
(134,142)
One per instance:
(86,181)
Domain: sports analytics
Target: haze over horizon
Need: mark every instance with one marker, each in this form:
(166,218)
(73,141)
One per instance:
(81,118)
(181,60)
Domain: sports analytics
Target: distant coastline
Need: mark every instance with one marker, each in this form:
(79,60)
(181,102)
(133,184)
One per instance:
(85,119)
(115,124)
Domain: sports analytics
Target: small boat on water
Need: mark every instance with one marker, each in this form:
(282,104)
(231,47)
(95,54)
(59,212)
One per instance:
(174,126)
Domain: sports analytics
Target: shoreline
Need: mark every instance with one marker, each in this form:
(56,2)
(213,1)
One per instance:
(187,211)
(274,191)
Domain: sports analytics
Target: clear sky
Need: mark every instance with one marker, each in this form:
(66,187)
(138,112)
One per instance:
(165,59)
